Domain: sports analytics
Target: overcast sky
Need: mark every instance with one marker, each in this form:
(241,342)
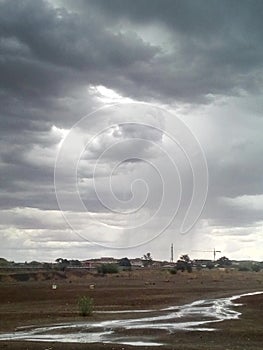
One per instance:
(133,103)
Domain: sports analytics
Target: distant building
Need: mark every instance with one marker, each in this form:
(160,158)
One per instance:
(108,260)
(137,262)
(201,262)
(94,263)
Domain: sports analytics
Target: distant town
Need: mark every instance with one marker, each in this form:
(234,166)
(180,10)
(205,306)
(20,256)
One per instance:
(114,265)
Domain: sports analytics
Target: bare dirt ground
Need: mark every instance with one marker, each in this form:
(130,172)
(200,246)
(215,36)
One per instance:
(34,302)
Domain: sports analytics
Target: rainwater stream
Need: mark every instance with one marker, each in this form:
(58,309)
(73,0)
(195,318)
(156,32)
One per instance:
(201,315)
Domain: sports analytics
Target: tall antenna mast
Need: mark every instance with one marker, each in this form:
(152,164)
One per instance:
(172,252)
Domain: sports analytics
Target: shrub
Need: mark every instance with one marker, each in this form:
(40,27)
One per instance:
(210,265)
(108,268)
(243,268)
(256,268)
(189,268)
(181,266)
(198,267)
(173,271)
(22,277)
(85,305)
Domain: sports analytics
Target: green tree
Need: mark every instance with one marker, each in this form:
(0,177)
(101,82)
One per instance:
(125,263)
(62,263)
(224,262)
(184,263)
(185,258)
(147,260)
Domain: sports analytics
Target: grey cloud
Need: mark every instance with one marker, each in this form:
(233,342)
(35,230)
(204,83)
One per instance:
(223,215)
(50,57)
(198,18)
(29,218)
(215,50)
(141,131)
(216,46)
(76,41)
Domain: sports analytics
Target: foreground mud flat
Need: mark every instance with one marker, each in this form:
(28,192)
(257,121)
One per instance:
(135,308)
(201,316)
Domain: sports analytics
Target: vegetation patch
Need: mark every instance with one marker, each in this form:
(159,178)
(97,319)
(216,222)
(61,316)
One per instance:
(107,268)
(85,305)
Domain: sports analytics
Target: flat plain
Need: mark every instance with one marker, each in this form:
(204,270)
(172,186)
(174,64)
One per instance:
(27,298)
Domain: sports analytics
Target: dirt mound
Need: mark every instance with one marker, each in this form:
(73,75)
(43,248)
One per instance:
(40,275)
(32,276)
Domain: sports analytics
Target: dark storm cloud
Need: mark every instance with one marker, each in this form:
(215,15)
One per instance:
(217,45)
(197,18)
(215,48)
(64,40)
(49,54)
(53,53)
(25,184)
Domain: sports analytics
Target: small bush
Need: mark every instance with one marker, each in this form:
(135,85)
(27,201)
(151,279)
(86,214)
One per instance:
(210,265)
(243,268)
(173,271)
(108,268)
(22,277)
(85,305)
(198,267)
(181,265)
(189,268)
(256,268)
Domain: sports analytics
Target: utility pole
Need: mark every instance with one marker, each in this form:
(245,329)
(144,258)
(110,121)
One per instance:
(172,252)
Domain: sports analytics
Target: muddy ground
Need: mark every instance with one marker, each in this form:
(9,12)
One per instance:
(32,301)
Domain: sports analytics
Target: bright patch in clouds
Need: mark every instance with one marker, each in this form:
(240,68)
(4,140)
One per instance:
(250,202)
(60,132)
(106,95)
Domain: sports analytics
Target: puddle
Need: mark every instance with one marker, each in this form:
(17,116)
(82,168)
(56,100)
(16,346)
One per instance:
(197,316)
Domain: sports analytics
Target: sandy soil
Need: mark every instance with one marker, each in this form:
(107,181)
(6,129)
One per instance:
(34,302)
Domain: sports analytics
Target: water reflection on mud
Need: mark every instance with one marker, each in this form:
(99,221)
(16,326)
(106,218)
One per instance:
(196,316)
